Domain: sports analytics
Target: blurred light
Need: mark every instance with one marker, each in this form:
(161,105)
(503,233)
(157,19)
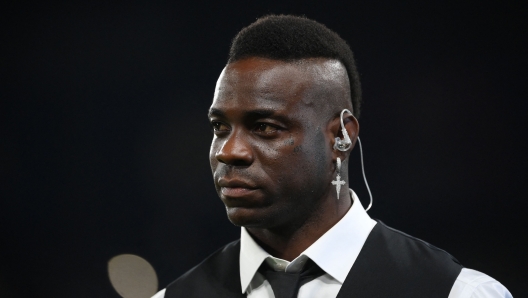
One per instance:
(132,276)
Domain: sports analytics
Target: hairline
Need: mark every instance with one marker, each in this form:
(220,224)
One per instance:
(299,62)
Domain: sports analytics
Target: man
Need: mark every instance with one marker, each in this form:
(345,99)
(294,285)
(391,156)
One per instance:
(277,114)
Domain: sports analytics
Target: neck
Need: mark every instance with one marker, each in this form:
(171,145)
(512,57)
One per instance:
(289,241)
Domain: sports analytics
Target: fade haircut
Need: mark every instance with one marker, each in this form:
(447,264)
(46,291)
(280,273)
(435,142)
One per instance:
(290,38)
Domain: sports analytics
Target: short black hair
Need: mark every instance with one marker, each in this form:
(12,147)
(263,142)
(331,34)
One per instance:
(289,38)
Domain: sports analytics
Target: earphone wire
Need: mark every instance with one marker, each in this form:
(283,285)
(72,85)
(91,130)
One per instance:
(364,176)
(346,140)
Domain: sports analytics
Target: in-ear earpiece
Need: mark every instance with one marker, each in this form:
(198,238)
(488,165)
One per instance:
(345,143)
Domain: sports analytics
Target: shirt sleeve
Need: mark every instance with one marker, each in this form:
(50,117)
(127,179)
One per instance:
(474,284)
(160,294)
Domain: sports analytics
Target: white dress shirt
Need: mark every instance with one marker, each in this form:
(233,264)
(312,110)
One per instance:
(335,252)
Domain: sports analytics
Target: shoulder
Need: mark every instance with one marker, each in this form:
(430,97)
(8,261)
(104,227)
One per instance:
(224,257)
(409,247)
(471,284)
(218,272)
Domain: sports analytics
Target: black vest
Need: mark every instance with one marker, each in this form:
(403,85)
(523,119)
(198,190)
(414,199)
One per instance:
(390,264)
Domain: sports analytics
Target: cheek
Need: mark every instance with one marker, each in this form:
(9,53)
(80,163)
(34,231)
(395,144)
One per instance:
(295,160)
(212,155)
(311,157)
(275,159)
(321,155)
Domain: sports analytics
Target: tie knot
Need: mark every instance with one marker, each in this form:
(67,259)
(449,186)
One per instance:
(287,284)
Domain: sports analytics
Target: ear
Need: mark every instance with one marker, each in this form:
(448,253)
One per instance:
(352,128)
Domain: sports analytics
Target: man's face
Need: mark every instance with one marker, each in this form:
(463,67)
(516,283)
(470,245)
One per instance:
(270,154)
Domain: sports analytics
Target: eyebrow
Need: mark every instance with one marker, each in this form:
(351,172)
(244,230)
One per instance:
(215,112)
(260,113)
(253,114)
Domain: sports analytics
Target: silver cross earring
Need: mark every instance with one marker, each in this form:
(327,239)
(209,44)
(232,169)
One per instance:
(338,182)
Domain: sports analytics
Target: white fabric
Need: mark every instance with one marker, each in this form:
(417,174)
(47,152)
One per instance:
(475,284)
(160,294)
(335,252)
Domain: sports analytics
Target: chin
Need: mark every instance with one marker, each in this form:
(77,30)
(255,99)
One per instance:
(248,217)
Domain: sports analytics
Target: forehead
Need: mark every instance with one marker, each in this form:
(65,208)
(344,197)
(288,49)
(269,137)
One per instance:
(257,81)
(274,84)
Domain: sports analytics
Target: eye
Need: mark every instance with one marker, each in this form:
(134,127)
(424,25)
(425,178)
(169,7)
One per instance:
(218,127)
(265,128)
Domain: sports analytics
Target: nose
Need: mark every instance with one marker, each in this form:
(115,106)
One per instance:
(235,150)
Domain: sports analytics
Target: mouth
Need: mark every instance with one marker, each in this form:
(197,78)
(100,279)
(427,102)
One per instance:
(236,192)
(235,188)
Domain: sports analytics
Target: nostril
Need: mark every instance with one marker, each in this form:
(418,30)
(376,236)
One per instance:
(235,150)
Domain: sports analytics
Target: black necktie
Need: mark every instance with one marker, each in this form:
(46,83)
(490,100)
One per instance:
(286,285)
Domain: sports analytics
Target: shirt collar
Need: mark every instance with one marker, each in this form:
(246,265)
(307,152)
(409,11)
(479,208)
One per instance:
(335,252)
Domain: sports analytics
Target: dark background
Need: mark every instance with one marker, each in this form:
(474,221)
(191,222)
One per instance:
(104,137)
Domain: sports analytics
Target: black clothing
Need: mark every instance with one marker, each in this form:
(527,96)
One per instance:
(390,264)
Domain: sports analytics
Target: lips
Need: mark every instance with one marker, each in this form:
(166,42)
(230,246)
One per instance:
(236,192)
(236,188)
(235,183)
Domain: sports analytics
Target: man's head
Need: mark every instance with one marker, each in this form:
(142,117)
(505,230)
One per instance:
(292,38)
(275,115)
